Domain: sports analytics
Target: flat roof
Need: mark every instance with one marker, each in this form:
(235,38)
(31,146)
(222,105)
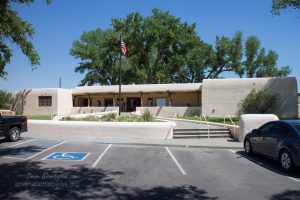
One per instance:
(143,88)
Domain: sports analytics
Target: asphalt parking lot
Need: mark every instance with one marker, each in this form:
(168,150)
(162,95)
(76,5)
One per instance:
(52,169)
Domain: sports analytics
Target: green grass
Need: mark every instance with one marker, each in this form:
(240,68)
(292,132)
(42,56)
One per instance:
(212,119)
(39,117)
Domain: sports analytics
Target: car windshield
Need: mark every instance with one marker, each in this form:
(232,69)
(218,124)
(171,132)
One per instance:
(297,127)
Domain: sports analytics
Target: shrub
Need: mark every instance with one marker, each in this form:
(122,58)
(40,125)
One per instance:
(109,117)
(126,118)
(193,113)
(87,118)
(260,102)
(147,117)
(5,99)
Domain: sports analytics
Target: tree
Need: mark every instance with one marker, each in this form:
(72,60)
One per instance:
(259,102)
(277,5)
(258,64)
(5,99)
(269,67)
(14,29)
(161,46)
(161,49)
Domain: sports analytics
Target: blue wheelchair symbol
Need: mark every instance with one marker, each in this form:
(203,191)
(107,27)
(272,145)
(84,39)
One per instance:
(68,156)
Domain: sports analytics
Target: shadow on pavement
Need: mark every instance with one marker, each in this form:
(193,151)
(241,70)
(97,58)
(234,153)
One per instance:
(22,180)
(21,151)
(269,164)
(287,195)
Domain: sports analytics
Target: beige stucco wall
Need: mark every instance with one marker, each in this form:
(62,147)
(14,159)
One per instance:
(166,111)
(64,101)
(85,110)
(220,96)
(27,100)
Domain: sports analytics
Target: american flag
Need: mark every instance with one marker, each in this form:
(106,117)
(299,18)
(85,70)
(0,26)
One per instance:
(123,48)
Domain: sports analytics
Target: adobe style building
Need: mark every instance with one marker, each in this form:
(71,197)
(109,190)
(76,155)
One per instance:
(212,97)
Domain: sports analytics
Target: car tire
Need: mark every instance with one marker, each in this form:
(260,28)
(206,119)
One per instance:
(286,160)
(14,134)
(248,147)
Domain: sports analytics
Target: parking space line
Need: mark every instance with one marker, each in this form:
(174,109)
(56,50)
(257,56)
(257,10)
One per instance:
(45,150)
(18,144)
(11,157)
(176,162)
(101,156)
(294,179)
(232,151)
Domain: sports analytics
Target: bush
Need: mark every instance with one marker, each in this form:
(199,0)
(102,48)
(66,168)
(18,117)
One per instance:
(193,113)
(147,117)
(87,118)
(109,117)
(127,118)
(5,99)
(260,102)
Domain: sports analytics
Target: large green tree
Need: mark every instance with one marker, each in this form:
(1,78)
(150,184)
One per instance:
(277,5)
(162,49)
(18,31)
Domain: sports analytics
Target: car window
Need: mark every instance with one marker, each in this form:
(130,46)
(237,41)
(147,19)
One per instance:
(297,127)
(266,129)
(279,130)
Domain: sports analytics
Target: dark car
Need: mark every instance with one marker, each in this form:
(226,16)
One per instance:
(278,140)
(12,126)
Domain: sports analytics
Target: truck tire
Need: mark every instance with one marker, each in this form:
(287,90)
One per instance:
(14,134)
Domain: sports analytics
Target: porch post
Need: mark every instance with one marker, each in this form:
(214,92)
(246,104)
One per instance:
(170,99)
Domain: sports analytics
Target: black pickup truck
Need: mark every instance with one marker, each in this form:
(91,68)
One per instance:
(12,126)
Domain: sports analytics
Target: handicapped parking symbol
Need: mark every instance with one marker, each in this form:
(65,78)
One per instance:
(67,156)
(64,155)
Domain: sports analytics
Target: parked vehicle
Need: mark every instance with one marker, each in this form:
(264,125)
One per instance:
(278,140)
(12,126)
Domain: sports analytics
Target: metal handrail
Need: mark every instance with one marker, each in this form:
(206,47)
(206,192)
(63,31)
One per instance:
(229,117)
(202,116)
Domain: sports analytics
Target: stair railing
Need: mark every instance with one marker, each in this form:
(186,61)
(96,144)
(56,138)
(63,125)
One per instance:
(202,116)
(229,117)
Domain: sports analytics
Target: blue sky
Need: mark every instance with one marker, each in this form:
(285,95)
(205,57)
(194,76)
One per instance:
(57,25)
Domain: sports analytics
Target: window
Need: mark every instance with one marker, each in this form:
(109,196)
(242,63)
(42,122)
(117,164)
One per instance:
(150,102)
(85,102)
(266,129)
(108,102)
(161,101)
(45,100)
(279,130)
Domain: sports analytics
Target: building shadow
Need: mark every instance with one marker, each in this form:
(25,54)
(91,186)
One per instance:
(23,180)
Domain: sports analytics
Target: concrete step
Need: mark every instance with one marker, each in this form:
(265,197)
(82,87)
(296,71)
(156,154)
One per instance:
(200,133)
(201,136)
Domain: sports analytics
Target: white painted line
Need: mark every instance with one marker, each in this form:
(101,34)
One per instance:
(294,179)
(232,151)
(45,150)
(11,157)
(176,162)
(19,144)
(101,156)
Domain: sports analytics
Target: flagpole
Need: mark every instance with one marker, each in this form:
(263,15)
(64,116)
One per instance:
(120,106)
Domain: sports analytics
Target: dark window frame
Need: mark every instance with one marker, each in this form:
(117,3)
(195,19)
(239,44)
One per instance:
(45,101)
